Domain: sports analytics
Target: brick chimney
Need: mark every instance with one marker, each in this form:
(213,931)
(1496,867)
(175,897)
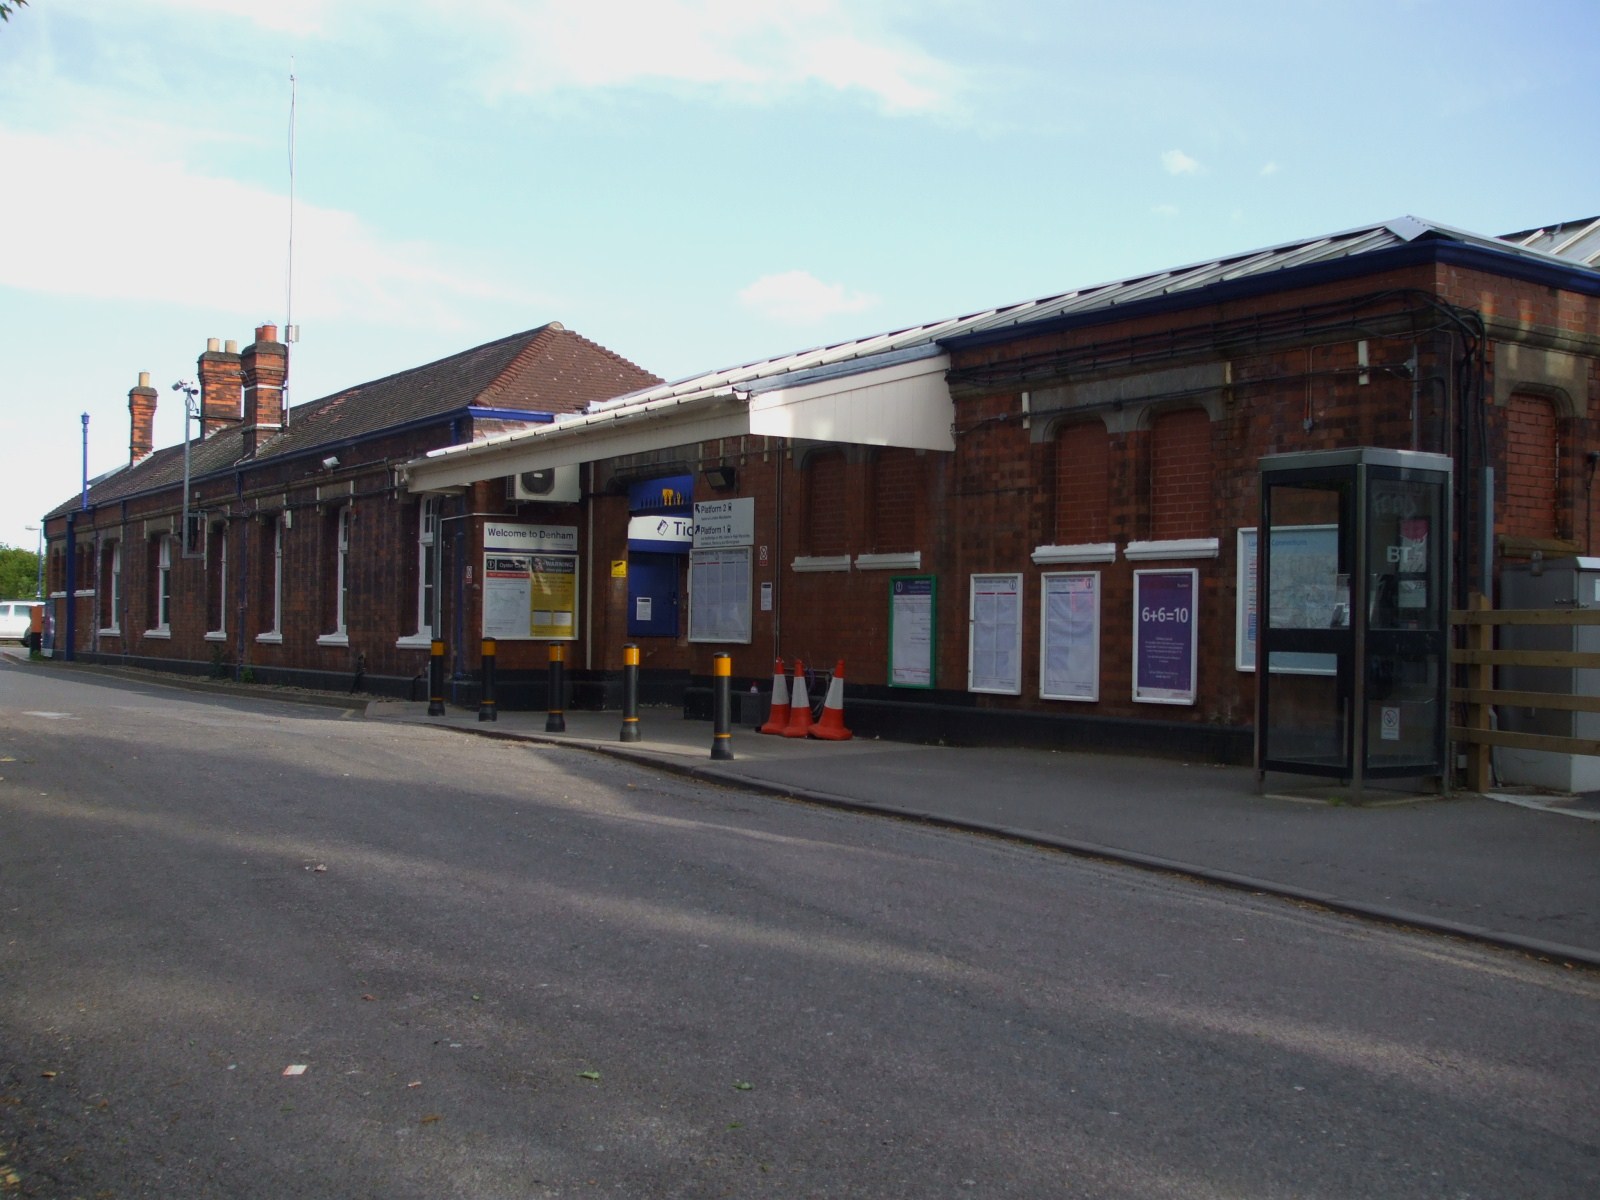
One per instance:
(265,365)
(221,397)
(142,410)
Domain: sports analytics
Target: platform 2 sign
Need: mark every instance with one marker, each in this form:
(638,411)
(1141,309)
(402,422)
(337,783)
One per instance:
(1165,636)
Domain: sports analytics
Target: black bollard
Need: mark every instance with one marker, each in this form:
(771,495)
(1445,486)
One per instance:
(721,708)
(486,708)
(556,722)
(630,694)
(436,680)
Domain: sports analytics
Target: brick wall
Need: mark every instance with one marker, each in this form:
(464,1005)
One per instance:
(1532,468)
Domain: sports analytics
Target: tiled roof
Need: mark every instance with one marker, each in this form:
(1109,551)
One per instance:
(544,370)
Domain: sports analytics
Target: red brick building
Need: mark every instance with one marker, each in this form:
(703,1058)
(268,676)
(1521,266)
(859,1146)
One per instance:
(299,558)
(962,511)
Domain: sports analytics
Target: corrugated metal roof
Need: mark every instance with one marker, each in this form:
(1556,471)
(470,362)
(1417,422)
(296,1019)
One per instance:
(1575,241)
(1563,243)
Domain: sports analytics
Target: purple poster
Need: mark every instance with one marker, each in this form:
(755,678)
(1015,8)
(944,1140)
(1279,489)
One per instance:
(1164,628)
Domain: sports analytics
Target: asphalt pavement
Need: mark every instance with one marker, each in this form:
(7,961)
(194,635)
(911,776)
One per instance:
(1518,871)
(1521,871)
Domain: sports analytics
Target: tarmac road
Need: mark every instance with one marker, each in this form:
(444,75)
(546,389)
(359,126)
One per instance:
(515,971)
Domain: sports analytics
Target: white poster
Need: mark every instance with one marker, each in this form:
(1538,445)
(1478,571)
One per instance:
(994,642)
(507,595)
(1069,636)
(719,595)
(911,639)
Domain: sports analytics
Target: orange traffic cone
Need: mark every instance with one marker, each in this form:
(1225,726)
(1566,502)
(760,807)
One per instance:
(778,718)
(799,705)
(831,727)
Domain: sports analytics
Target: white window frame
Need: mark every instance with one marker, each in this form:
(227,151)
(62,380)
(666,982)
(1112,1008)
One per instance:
(427,582)
(274,634)
(217,534)
(113,587)
(341,630)
(163,614)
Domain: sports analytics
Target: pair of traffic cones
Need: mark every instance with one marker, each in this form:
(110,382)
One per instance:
(791,713)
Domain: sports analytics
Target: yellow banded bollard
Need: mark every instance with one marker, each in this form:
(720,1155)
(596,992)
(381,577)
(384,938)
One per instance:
(721,707)
(436,679)
(630,694)
(556,721)
(486,708)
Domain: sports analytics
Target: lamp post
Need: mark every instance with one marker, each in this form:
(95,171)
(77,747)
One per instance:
(191,413)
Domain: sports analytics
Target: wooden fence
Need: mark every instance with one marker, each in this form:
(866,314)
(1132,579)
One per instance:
(1473,666)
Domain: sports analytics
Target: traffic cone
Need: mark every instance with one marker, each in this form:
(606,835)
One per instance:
(831,727)
(799,705)
(778,718)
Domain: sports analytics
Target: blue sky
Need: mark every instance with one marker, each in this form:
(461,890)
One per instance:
(696,183)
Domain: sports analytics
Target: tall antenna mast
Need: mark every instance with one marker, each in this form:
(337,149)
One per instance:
(291,332)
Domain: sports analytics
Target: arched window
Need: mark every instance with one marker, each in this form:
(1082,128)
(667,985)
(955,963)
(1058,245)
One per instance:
(897,486)
(1083,483)
(1181,469)
(1533,468)
(825,527)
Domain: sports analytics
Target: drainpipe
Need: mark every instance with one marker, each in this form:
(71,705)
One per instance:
(72,585)
(460,552)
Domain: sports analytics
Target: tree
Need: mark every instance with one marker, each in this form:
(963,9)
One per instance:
(19,573)
(7,6)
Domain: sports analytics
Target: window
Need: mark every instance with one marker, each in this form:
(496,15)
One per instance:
(216,579)
(159,602)
(340,578)
(427,564)
(111,587)
(272,581)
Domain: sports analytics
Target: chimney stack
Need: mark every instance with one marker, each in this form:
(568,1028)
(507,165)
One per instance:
(265,366)
(142,410)
(221,397)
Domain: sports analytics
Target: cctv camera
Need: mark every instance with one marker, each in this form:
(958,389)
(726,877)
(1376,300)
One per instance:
(330,462)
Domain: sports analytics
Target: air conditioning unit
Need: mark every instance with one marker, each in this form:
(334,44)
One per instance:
(553,485)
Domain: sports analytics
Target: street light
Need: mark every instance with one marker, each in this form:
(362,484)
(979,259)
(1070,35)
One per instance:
(38,587)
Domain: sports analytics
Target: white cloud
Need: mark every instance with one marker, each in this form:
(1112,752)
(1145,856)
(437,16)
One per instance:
(1270,168)
(1176,162)
(752,49)
(800,298)
(117,221)
(299,17)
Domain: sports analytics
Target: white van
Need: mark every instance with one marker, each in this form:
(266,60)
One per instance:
(15,617)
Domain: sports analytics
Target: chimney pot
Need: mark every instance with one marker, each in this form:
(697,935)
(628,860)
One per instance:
(232,345)
(144,378)
(266,333)
(211,345)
